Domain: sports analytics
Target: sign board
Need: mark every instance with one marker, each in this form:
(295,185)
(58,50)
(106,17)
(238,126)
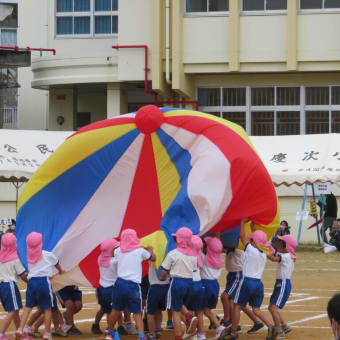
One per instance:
(5,221)
(302,215)
(323,188)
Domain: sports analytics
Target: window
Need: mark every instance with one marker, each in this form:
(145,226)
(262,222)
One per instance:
(209,97)
(288,123)
(317,95)
(317,122)
(234,97)
(262,123)
(200,6)
(276,110)
(236,117)
(86,17)
(8,37)
(319,4)
(262,96)
(264,5)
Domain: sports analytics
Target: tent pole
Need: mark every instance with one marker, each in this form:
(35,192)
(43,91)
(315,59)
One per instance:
(316,218)
(302,209)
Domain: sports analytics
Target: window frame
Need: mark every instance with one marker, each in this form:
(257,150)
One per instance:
(262,12)
(92,14)
(207,13)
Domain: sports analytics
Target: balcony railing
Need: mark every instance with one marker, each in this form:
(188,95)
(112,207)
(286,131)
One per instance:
(8,118)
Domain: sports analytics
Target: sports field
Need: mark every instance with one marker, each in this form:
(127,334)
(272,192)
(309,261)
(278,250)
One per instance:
(316,278)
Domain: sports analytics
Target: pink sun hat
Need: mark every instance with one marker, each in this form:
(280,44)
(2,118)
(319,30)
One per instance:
(214,249)
(8,251)
(291,244)
(260,238)
(34,247)
(107,247)
(129,240)
(183,239)
(197,245)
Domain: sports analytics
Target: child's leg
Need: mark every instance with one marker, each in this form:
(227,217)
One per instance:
(235,318)
(38,323)
(77,306)
(98,317)
(169,311)
(262,316)
(158,320)
(151,323)
(70,308)
(47,320)
(250,314)
(112,318)
(24,317)
(16,319)
(200,324)
(227,308)
(139,322)
(57,320)
(176,317)
(7,321)
(34,317)
(212,317)
(274,311)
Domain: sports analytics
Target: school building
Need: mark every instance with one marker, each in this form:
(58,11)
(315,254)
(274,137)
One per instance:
(272,66)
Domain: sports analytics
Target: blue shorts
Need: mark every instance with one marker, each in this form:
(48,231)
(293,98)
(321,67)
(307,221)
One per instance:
(196,300)
(211,292)
(10,296)
(281,292)
(233,280)
(69,293)
(145,285)
(156,299)
(39,293)
(127,294)
(250,291)
(104,296)
(179,293)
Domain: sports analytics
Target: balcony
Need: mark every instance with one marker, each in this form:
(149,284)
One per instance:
(8,118)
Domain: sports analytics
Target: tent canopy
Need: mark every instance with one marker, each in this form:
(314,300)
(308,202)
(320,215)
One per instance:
(23,151)
(300,159)
(289,160)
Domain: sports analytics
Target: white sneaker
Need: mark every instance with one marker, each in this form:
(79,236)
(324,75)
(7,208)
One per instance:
(220,332)
(201,336)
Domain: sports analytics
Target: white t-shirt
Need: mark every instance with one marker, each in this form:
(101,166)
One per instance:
(254,262)
(44,267)
(209,273)
(10,270)
(285,267)
(108,275)
(234,260)
(153,278)
(179,264)
(130,264)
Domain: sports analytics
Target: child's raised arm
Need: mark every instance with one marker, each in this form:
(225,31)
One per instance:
(153,256)
(23,277)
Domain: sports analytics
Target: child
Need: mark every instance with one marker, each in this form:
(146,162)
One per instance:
(250,288)
(285,257)
(108,275)
(181,265)
(127,291)
(39,290)
(156,302)
(234,262)
(10,269)
(70,298)
(210,272)
(196,301)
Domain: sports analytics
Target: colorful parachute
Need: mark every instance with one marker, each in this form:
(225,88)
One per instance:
(155,171)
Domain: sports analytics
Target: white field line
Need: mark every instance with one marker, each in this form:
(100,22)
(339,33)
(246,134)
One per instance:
(320,316)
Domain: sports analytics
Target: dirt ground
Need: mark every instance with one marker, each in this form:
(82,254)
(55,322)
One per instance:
(315,280)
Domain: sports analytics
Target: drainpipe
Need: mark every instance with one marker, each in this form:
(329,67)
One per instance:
(167,42)
(146,89)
